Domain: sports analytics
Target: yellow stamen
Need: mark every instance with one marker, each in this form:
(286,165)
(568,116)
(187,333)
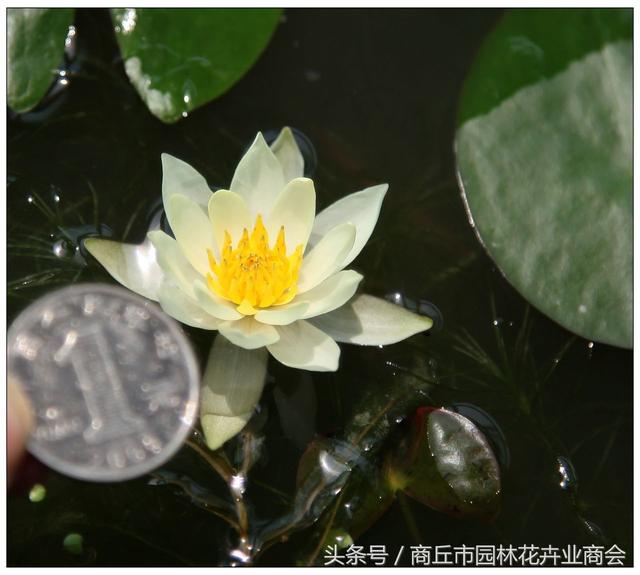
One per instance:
(253,275)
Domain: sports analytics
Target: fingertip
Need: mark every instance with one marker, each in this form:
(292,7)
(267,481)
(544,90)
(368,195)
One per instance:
(19,423)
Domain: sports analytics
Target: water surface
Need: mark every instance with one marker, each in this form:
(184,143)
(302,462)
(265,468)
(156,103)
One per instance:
(375,92)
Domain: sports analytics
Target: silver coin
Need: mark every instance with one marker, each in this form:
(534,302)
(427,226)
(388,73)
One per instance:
(112,380)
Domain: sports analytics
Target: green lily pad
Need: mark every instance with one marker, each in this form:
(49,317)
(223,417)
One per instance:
(181,59)
(35,47)
(450,466)
(544,147)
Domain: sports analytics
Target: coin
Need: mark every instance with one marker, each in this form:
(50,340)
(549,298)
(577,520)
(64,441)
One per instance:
(112,380)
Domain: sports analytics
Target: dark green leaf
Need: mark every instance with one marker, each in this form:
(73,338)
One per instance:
(35,48)
(544,154)
(181,59)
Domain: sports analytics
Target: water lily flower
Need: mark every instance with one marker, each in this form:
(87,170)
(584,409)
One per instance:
(258,265)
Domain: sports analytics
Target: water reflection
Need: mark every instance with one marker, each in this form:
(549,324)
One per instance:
(489,427)
(70,42)
(331,468)
(594,530)
(74,236)
(62,247)
(238,485)
(568,477)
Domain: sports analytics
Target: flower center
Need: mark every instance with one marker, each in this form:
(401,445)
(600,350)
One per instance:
(253,275)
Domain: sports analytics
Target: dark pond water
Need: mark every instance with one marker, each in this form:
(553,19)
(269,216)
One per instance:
(376,94)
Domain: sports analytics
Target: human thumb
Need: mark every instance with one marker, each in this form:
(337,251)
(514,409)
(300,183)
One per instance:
(19,423)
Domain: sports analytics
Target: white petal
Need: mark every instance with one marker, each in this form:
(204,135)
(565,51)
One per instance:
(132,265)
(228,212)
(181,307)
(193,231)
(304,346)
(178,177)
(360,208)
(331,293)
(294,209)
(283,314)
(258,177)
(327,257)
(213,304)
(368,320)
(249,333)
(172,261)
(288,153)
(231,388)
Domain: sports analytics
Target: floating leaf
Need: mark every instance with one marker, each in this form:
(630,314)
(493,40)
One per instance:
(544,155)
(37,493)
(449,467)
(180,59)
(35,48)
(74,543)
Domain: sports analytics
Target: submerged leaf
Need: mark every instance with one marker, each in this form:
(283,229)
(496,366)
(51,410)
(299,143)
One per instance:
(324,469)
(361,492)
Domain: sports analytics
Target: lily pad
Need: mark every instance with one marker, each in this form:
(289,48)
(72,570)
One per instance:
(180,59)
(35,48)
(450,466)
(544,151)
